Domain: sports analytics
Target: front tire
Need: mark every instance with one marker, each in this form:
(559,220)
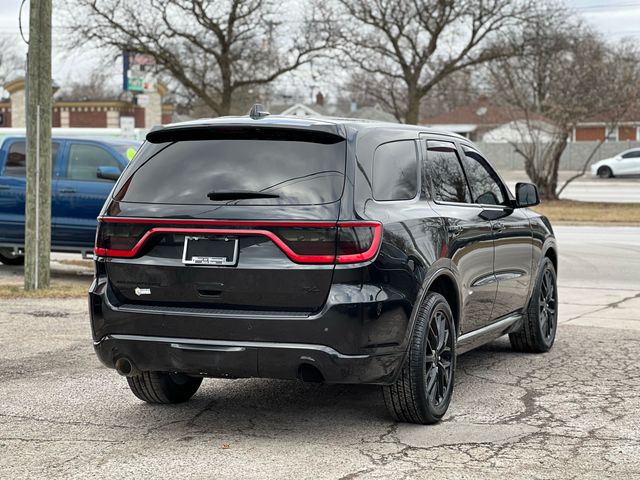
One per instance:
(423,391)
(538,331)
(9,258)
(605,172)
(162,387)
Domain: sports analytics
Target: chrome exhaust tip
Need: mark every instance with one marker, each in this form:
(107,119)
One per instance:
(124,367)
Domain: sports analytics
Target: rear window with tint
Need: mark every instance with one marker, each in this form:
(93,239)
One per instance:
(187,172)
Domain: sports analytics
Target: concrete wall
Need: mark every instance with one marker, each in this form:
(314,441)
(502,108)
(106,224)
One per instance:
(153,110)
(18,109)
(504,157)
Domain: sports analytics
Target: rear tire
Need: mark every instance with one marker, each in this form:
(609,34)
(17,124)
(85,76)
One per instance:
(538,331)
(162,387)
(9,258)
(423,391)
(605,172)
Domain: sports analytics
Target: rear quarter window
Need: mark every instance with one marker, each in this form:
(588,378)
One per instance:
(395,171)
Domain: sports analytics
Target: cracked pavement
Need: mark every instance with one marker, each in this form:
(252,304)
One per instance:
(571,413)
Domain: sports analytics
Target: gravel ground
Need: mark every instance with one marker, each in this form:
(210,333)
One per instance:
(571,413)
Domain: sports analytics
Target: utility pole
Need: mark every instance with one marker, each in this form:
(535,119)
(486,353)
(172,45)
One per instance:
(39,98)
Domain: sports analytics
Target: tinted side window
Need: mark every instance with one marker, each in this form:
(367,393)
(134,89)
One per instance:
(395,171)
(484,184)
(16,165)
(447,177)
(84,160)
(634,154)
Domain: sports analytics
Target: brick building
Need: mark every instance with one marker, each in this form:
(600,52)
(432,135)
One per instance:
(484,120)
(598,129)
(88,113)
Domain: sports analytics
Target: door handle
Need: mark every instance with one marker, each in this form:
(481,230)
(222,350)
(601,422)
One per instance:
(67,190)
(499,226)
(454,230)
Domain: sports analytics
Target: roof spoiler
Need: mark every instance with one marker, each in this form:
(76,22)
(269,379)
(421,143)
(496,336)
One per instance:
(245,132)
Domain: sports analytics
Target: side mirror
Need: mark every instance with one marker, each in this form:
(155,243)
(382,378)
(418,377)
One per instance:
(526,195)
(108,173)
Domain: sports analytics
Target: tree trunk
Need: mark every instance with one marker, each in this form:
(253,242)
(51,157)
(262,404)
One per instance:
(38,191)
(548,176)
(225,103)
(412,115)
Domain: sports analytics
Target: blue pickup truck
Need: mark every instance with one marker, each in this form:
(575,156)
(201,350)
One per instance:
(83,174)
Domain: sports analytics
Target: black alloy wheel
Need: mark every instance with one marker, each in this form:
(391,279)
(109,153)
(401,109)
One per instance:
(423,390)
(540,322)
(439,361)
(547,305)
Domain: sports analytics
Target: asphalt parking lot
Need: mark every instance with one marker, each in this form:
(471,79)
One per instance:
(571,413)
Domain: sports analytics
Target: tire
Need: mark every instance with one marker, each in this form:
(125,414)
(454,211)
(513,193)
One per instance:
(162,387)
(605,172)
(538,331)
(9,258)
(423,390)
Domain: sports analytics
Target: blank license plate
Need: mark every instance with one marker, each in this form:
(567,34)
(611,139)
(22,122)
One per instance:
(210,251)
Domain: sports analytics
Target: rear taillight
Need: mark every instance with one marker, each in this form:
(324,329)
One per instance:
(302,242)
(115,239)
(358,242)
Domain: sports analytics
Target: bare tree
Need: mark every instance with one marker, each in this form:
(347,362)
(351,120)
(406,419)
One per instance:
(97,86)
(563,74)
(12,60)
(403,49)
(213,49)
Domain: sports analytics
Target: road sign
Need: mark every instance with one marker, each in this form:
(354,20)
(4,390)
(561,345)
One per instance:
(136,84)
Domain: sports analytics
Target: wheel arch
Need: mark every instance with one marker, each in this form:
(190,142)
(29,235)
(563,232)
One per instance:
(445,284)
(607,166)
(440,280)
(552,254)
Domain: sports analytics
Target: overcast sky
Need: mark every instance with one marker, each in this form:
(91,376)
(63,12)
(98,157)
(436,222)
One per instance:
(614,18)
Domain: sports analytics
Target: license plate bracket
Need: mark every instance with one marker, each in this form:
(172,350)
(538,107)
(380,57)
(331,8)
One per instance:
(214,251)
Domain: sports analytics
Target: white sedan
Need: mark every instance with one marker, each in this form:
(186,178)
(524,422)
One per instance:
(625,163)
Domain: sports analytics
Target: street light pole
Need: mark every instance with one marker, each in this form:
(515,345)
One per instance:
(38,193)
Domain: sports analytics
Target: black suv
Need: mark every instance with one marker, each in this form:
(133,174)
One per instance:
(325,250)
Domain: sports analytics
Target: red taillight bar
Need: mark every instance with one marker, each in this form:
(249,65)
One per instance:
(228,223)
(324,259)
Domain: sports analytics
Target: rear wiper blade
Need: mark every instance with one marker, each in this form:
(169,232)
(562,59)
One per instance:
(239,195)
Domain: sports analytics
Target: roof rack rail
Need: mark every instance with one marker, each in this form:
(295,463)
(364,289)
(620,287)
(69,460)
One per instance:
(258,111)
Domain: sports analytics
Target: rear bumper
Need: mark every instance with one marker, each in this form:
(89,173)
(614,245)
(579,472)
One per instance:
(224,359)
(352,340)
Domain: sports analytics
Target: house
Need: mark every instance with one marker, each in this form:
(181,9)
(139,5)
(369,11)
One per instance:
(600,128)
(319,109)
(486,121)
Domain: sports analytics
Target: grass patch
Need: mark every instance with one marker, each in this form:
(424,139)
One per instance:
(70,290)
(570,211)
(77,263)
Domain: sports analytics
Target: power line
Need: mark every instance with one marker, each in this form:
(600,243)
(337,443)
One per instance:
(608,6)
(623,32)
